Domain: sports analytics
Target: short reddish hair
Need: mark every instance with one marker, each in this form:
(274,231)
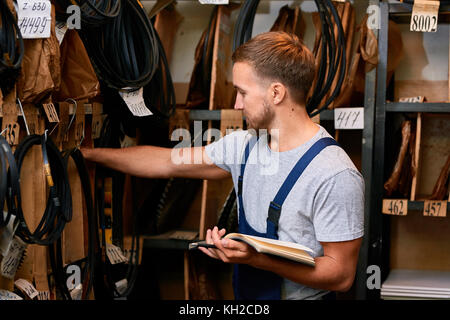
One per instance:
(283,57)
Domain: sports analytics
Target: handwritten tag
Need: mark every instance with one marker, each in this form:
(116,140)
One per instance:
(396,207)
(433,208)
(418,99)
(34,18)
(424,17)
(115,254)
(50,111)
(27,288)
(121,285)
(12,130)
(8,295)
(60,30)
(11,260)
(43,295)
(349,118)
(135,102)
(76,293)
(7,233)
(214,1)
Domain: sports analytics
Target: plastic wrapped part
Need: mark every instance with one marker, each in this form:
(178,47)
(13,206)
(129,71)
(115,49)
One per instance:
(11,47)
(78,78)
(391,185)
(199,84)
(123,52)
(41,71)
(440,189)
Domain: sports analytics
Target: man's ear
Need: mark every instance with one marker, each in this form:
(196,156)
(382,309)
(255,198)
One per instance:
(277,92)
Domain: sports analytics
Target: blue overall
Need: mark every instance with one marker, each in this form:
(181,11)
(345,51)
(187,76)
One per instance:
(255,284)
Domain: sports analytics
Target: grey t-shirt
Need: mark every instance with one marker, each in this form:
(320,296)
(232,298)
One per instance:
(326,204)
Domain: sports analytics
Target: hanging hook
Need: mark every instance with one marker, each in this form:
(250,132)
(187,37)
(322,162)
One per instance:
(45,135)
(1,133)
(24,117)
(81,141)
(73,115)
(53,129)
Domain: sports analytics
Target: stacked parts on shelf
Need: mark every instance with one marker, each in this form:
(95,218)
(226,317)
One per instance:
(403,284)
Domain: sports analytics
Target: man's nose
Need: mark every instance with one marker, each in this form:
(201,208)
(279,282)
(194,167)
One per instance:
(238,105)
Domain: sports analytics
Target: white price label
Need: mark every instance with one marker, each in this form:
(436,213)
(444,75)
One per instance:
(121,285)
(77,292)
(61,29)
(214,1)
(7,233)
(349,118)
(12,258)
(135,102)
(424,17)
(34,18)
(27,288)
(115,254)
(8,295)
(418,99)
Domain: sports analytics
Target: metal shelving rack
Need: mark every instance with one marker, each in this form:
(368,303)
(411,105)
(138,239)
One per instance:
(371,208)
(378,237)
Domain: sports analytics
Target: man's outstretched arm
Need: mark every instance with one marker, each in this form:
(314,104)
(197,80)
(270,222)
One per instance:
(157,162)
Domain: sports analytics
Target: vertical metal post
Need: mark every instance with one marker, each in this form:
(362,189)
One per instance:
(376,241)
(367,172)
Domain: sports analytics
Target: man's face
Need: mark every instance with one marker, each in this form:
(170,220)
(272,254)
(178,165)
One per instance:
(252,96)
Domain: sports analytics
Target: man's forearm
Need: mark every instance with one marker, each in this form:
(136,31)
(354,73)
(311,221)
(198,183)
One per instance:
(326,275)
(139,161)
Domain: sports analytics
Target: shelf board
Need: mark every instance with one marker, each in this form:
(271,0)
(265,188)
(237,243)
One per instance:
(434,107)
(165,241)
(214,115)
(406,8)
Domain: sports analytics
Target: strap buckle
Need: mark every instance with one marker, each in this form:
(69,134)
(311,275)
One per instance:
(274,213)
(240,184)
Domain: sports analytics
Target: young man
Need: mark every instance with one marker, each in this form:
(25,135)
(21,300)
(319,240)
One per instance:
(294,183)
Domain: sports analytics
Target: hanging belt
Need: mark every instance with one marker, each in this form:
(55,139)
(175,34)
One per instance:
(59,204)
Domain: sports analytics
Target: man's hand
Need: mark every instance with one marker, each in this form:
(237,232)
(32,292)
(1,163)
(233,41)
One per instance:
(228,250)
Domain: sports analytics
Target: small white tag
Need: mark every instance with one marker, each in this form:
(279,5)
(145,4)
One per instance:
(135,102)
(12,258)
(7,234)
(8,295)
(424,17)
(349,118)
(44,295)
(418,99)
(214,1)
(61,29)
(76,292)
(127,142)
(122,285)
(27,288)
(115,254)
(34,18)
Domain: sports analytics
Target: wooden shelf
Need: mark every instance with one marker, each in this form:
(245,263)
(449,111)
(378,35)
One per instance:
(432,107)
(166,241)
(214,115)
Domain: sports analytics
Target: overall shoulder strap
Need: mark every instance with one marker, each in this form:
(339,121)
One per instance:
(294,175)
(248,148)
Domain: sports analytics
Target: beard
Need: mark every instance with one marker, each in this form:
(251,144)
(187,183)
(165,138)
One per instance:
(262,120)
